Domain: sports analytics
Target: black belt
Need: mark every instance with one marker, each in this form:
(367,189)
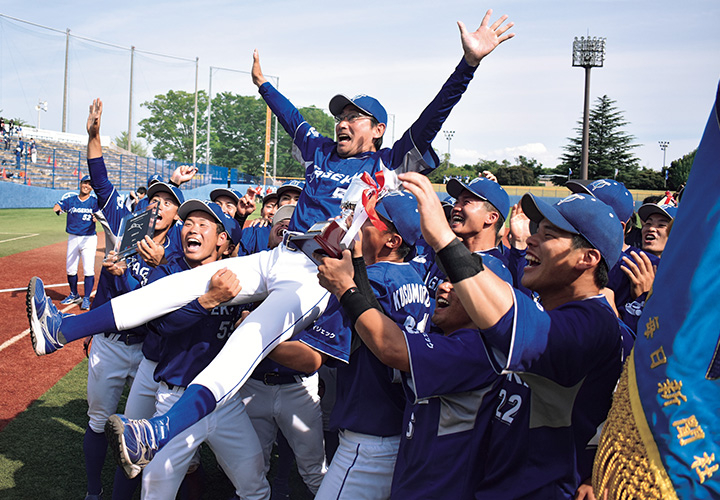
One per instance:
(273,378)
(126,338)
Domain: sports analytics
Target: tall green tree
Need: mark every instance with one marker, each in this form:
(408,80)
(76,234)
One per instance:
(239,126)
(679,171)
(610,146)
(136,147)
(169,129)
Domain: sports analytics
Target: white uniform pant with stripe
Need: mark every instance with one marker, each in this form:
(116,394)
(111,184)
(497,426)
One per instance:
(362,468)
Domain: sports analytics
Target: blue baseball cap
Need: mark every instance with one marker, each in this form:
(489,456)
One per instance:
(608,191)
(294,185)
(581,214)
(232,228)
(400,208)
(230,193)
(486,190)
(648,209)
(85,178)
(365,103)
(173,191)
(153,179)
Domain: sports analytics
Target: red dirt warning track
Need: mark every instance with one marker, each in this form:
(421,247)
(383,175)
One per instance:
(25,376)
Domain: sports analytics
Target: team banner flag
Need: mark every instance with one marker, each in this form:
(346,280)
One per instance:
(662,438)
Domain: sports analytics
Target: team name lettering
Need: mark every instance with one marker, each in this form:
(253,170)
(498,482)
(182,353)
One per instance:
(411,293)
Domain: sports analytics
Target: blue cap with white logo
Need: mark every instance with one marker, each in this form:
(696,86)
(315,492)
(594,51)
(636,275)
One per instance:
(609,191)
(230,193)
(364,103)
(400,208)
(173,191)
(648,209)
(153,179)
(584,215)
(486,190)
(293,185)
(85,178)
(232,228)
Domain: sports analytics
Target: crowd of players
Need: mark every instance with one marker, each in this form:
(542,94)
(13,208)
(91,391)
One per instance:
(465,367)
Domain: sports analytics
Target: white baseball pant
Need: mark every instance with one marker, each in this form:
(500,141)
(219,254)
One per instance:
(231,437)
(286,279)
(295,409)
(362,468)
(111,365)
(81,247)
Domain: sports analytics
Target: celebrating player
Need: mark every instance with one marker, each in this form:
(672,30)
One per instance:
(567,353)
(284,278)
(82,240)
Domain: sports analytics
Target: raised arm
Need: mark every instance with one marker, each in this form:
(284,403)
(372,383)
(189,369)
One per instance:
(484,296)
(94,147)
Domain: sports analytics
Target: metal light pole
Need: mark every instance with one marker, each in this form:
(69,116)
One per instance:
(588,52)
(448,135)
(663,146)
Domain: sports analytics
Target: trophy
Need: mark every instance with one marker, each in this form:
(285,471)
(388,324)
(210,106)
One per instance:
(333,236)
(133,228)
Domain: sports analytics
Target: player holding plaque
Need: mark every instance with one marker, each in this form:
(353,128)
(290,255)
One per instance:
(284,278)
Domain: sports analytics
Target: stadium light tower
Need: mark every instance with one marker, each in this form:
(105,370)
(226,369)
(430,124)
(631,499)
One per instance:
(448,135)
(664,145)
(588,52)
(41,106)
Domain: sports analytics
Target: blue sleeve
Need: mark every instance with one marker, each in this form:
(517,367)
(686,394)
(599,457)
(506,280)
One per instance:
(304,136)
(559,344)
(424,130)
(180,320)
(99,180)
(330,334)
(448,364)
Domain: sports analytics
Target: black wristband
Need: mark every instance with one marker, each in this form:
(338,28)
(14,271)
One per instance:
(354,303)
(458,262)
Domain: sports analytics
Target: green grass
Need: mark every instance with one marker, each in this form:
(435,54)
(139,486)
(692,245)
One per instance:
(29,228)
(41,453)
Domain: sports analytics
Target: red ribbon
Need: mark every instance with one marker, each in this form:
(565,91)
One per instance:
(370,198)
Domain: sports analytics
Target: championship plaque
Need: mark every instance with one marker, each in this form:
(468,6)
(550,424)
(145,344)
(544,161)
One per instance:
(133,229)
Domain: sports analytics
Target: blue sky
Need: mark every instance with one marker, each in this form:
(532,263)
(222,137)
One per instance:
(661,65)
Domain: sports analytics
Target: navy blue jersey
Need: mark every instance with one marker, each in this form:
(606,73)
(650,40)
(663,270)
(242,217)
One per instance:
(327,175)
(451,390)
(80,220)
(190,336)
(628,307)
(254,239)
(563,365)
(369,400)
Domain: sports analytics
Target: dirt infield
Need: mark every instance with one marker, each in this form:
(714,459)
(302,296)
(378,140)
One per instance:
(25,376)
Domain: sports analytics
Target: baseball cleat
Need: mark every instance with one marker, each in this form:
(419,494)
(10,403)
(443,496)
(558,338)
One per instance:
(85,304)
(133,442)
(45,319)
(71,299)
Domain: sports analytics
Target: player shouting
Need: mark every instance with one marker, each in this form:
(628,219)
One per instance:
(284,278)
